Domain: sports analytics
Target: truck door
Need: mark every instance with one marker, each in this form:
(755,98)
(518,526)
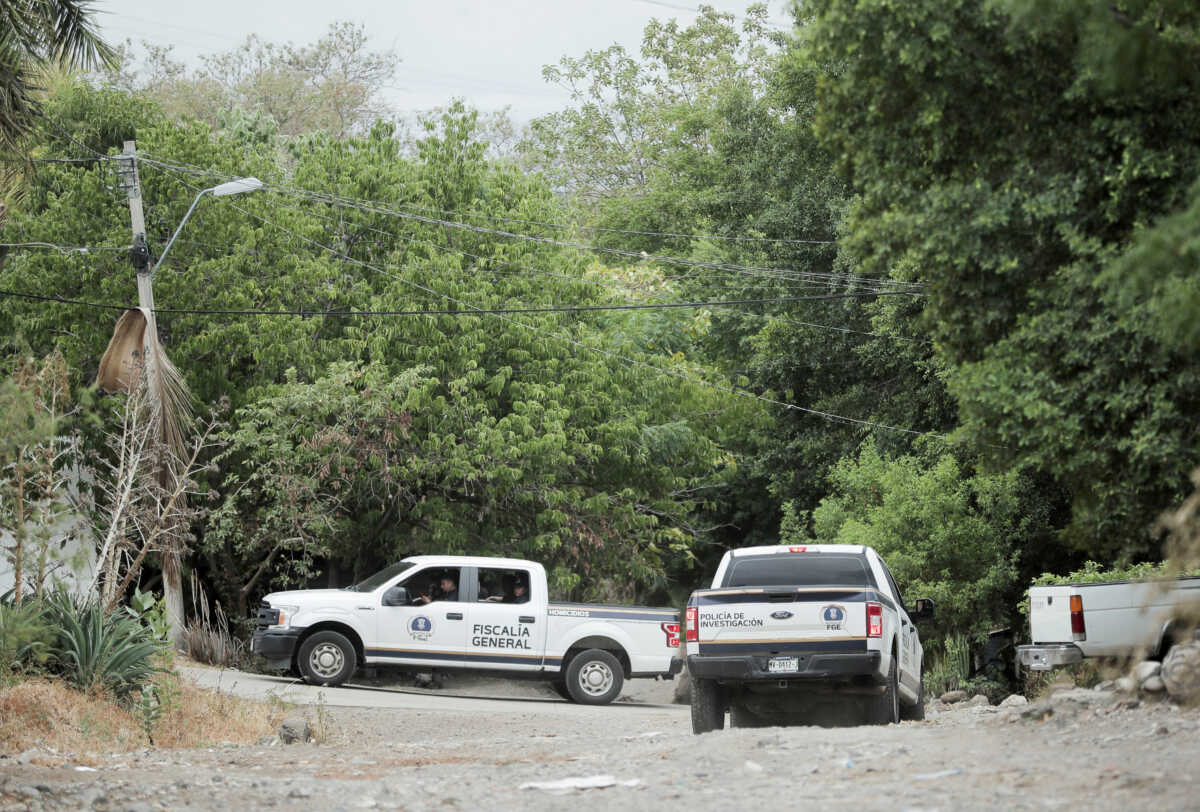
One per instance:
(432,628)
(907,640)
(506,624)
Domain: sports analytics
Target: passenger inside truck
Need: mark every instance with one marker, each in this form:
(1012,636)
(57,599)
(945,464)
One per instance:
(503,586)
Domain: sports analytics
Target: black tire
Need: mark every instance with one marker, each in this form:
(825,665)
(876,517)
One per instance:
(594,677)
(885,709)
(560,688)
(708,706)
(915,713)
(741,716)
(326,658)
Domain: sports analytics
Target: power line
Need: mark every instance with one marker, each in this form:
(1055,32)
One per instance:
(401,210)
(474,311)
(65,249)
(749,270)
(732,390)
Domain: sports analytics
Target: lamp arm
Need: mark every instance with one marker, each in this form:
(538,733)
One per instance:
(179,228)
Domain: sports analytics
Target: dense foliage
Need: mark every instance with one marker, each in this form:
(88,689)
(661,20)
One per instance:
(981,228)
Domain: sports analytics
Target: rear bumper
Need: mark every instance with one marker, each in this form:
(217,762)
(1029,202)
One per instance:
(812,666)
(276,647)
(1046,656)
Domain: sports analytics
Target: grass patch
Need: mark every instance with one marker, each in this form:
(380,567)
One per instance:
(47,713)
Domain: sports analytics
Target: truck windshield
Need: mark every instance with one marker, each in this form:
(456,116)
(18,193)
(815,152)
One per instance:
(383,576)
(799,569)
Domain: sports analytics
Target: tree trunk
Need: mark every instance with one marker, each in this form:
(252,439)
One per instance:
(172,570)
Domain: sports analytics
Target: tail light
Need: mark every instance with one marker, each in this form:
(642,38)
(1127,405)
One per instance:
(1078,629)
(797,549)
(874,620)
(671,630)
(692,619)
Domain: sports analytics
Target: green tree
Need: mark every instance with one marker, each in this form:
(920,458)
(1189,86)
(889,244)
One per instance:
(36,36)
(993,162)
(946,534)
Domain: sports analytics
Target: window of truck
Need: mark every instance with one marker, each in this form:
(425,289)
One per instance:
(799,569)
(382,577)
(503,585)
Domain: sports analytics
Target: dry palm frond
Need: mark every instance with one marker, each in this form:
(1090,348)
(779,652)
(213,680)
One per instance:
(133,349)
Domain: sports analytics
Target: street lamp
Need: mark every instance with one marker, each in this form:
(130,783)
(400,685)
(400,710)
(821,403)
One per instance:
(233,187)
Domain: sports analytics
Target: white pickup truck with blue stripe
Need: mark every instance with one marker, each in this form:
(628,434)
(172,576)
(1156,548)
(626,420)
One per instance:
(467,613)
(790,633)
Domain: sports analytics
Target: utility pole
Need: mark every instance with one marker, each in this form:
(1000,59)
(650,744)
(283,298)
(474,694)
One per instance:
(171,564)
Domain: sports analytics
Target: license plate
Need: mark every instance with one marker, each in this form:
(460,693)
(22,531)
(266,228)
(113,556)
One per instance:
(783,665)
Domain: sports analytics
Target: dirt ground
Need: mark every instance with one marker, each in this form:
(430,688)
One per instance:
(1084,756)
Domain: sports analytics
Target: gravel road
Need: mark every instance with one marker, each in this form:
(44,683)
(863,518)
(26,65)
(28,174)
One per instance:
(478,753)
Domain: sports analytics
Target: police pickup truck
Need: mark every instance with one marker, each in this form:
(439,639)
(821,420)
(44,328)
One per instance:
(466,613)
(794,632)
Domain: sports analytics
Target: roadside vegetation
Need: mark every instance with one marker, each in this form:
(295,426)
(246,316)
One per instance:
(945,254)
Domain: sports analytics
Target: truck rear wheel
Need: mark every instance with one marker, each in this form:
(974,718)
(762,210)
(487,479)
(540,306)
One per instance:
(594,677)
(326,658)
(708,706)
(885,709)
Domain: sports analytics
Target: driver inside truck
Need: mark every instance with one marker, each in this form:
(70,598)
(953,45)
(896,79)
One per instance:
(445,589)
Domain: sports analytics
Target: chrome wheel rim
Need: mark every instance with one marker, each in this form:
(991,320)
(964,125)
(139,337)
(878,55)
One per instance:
(596,678)
(326,660)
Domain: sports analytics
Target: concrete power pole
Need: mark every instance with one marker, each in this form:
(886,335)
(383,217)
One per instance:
(171,564)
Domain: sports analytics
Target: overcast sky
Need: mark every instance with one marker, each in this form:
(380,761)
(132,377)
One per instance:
(490,53)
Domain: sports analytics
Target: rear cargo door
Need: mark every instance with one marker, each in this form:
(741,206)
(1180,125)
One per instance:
(1050,614)
(787,603)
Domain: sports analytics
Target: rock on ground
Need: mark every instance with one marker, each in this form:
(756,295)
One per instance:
(1181,672)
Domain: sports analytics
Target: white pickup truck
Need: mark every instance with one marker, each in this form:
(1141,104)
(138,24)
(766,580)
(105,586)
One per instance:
(1068,622)
(786,630)
(466,612)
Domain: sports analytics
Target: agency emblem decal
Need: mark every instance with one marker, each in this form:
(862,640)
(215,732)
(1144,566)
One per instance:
(834,616)
(420,628)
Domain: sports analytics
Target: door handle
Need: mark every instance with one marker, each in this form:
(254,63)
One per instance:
(454,616)
(526,618)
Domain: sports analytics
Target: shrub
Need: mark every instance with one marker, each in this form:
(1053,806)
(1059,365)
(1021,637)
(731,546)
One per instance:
(98,650)
(950,670)
(26,637)
(207,638)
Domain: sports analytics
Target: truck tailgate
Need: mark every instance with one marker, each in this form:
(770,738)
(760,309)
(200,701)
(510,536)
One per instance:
(1050,614)
(779,620)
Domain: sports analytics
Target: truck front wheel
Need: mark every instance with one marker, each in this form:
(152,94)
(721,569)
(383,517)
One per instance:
(708,706)
(594,677)
(326,658)
(915,713)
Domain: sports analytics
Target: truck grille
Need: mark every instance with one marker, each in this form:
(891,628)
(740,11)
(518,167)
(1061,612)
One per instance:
(266,616)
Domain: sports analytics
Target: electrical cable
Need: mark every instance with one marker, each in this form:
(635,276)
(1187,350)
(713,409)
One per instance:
(728,389)
(65,249)
(191,169)
(473,311)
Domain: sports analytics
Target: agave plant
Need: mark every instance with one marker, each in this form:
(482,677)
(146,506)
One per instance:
(98,650)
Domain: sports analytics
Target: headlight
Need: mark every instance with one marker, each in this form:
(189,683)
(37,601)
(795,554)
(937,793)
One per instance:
(286,613)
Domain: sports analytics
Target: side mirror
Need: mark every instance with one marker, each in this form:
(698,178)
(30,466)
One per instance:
(923,610)
(396,596)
